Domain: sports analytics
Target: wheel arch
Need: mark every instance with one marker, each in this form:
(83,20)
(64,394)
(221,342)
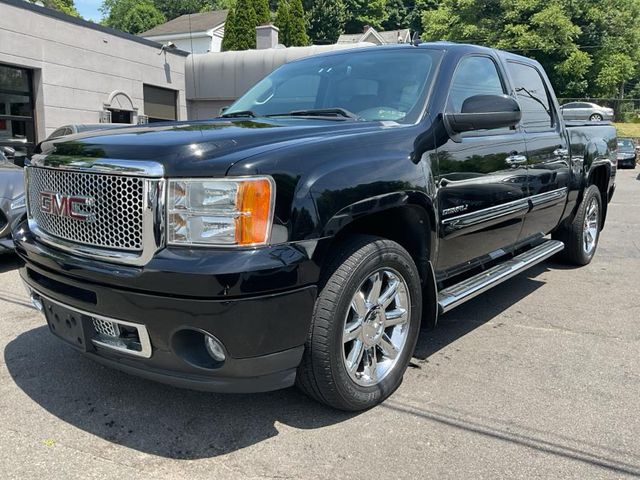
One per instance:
(411,225)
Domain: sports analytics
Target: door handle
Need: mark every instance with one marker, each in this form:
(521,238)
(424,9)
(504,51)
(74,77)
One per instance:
(514,160)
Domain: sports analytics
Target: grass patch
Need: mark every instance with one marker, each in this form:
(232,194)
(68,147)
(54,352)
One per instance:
(628,129)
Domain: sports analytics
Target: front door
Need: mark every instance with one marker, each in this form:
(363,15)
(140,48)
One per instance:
(548,166)
(481,178)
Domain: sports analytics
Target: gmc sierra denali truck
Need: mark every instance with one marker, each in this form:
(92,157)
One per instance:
(304,236)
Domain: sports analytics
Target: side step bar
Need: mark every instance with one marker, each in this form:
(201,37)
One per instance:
(457,294)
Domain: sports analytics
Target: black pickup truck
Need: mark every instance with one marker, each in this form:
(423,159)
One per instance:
(303,237)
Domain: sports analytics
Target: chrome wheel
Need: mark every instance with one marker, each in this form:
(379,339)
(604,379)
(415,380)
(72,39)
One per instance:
(376,327)
(591,228)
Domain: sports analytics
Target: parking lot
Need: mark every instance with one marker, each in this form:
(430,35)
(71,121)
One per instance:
(539,378)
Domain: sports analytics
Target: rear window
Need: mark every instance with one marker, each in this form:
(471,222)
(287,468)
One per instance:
(626,144)
(532,96)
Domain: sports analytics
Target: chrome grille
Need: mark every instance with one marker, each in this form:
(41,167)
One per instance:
(105,327)
(115,211)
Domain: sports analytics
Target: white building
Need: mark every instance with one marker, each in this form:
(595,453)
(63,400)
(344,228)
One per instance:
(195,33)
(57,70)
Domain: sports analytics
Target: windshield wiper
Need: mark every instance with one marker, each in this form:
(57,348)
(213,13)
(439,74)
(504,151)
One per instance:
(240,114)
(319,112)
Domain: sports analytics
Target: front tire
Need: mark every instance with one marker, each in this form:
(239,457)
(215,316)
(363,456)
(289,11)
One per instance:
(596,117)
(582,235)
(365,325)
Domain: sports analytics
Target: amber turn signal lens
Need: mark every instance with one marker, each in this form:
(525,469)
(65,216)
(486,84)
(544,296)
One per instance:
(254,205)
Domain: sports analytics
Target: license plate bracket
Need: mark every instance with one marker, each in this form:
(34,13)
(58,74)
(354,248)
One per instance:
(68,325)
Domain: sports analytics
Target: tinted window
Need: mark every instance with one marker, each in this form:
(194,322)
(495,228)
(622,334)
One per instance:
(571,105)
(532,96)
(474,76)
(383,85)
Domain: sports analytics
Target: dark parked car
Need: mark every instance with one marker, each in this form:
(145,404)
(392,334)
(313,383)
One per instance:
(627,153)
(305,236)
(586,111)
(12,200)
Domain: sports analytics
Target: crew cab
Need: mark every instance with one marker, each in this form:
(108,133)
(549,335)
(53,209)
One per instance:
(304,236)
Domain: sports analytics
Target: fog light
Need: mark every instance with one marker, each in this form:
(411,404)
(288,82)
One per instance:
(214,348)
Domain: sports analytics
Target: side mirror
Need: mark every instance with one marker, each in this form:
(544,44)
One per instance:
(224,109)
(485,112)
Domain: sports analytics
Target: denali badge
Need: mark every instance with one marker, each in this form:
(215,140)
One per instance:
(458,209)
(66,206)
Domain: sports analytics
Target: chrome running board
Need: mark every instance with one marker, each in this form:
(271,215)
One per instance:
(457,294)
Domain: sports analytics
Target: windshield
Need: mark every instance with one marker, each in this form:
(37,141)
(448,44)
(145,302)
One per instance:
(626,145)
(371,85)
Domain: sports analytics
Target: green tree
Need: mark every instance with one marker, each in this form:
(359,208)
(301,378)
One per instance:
(64,6)
(397,15)
(174,8)
(539,28)
(297,25)
(263,14)
(241,27)
(283,20)
(229,41)
(291,21)
(589,48)
(326,21)
(364,12)
(132,16)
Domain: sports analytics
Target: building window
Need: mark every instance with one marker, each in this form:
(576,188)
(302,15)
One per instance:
(17,128)
(120,116)
(160,104)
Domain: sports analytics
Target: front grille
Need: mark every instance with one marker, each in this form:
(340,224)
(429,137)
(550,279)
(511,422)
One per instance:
(113,213)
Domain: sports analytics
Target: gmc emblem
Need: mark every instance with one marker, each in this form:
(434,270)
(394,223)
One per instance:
(67,206)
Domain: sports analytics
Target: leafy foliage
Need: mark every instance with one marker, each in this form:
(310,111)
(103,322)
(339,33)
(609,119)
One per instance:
(174,8)
(588,47)
(326,21)
(133,16)
(64,6)
(364,12)
(291,21)
(263,14)
(240,27)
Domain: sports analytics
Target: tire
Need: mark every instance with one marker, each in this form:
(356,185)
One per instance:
(577,249)
(596,117)
(347,299)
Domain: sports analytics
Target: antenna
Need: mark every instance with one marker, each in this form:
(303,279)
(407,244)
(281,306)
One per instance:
(193,72)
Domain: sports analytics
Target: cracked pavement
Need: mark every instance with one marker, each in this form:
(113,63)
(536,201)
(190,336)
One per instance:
(538,378)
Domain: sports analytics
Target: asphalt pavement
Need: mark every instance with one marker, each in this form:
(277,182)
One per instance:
(539,378)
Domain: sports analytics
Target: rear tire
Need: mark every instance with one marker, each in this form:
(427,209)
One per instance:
(581,236)
(360,341)
(596,117)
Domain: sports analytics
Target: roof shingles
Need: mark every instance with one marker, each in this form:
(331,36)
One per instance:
(199,22)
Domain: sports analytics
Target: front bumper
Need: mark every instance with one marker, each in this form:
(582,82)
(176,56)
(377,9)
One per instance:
(263,333)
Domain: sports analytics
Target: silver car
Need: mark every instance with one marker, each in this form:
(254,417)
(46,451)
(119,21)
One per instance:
(12,201)
(586,111)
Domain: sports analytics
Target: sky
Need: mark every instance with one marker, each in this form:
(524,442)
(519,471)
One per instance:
(89,9)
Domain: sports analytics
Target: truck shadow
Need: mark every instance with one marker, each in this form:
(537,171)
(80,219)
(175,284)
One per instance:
(182,424)
(9,261)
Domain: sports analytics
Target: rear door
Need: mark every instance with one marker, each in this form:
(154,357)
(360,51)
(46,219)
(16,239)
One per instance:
(546,146)
(481,177)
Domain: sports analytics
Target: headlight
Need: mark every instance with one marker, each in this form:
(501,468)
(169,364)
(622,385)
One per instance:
(222,212)
(18,202)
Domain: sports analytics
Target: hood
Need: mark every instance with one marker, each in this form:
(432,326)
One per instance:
(203,148)
(11,181)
